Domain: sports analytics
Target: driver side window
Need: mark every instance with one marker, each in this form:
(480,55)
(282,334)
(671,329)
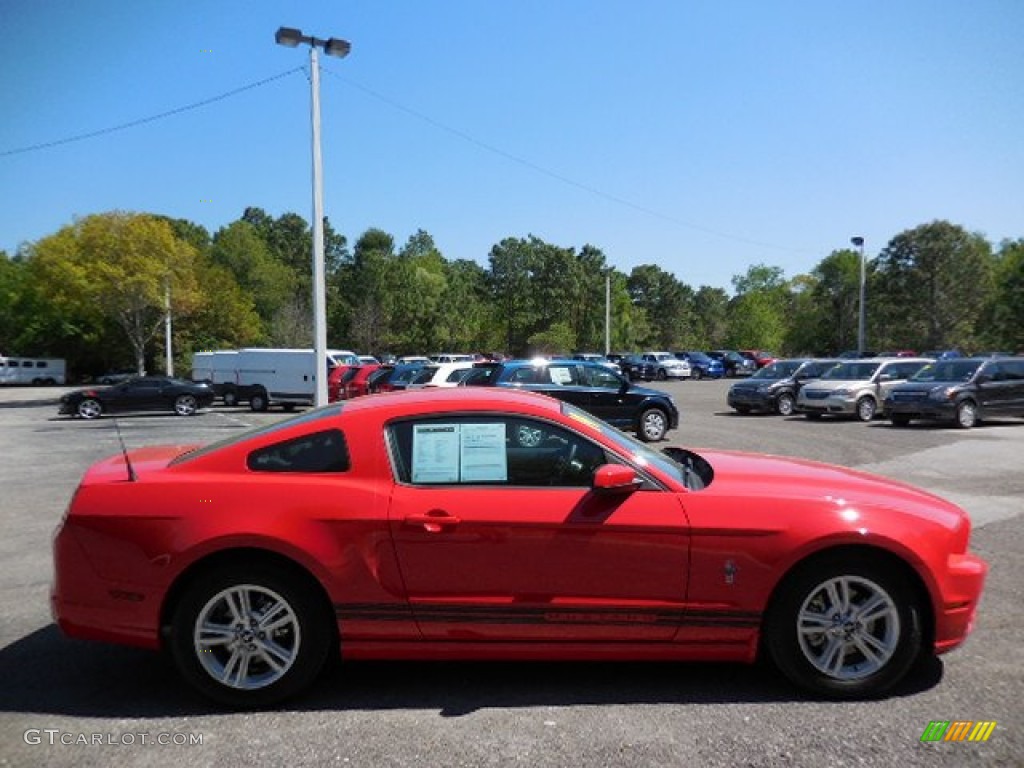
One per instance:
(491,450)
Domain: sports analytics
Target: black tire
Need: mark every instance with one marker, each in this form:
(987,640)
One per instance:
(258,401)
(832,662)
(652,425)
(90,408)
(866,408)
(661,375)
(900,421)
(785,404)
(301,643)
(288,407)
(698,374)
(967,414)
(186,405)
(230,398)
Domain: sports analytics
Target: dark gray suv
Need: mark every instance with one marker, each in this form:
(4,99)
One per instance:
(961,390)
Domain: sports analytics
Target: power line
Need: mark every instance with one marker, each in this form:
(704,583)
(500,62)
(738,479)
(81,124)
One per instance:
(151,118)
(553,174)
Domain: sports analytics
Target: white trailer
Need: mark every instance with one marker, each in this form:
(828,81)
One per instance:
(285,377)
(35,371)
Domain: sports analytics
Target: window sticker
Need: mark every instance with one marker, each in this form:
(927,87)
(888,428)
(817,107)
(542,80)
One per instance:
(561,375)
(435,453)
(452,453)
(482,453)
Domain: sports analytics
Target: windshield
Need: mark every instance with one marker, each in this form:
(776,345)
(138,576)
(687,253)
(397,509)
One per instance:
(324,412)
(780,370)
(629,445)
(947,370)
(858,371)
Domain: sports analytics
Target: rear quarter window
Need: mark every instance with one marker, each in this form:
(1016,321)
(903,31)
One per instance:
(325,451)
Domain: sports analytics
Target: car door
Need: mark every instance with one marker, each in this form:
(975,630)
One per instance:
(610,398)
(134,395)
(499,536)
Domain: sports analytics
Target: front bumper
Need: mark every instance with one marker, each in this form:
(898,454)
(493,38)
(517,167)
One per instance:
(961,590)
(751,398)
(938,410)
(837,404)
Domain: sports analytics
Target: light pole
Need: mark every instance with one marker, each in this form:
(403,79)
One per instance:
(332,47)
(861,314)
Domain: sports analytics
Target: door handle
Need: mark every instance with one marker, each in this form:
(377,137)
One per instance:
(434,521)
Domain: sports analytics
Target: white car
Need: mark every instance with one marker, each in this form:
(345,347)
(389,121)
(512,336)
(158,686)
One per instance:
(663,365)
(441,375)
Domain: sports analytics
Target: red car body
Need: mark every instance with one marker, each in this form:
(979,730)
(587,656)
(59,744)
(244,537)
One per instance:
(337,380)
(358,385)
(623,555)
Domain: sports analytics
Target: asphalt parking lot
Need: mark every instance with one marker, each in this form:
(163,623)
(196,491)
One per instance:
(532,714)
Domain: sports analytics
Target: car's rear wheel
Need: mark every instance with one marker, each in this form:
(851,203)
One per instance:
(186,405)
(653,425)
(966,414)
(90,408)
(845,627)
(230,398)
(250,637)
(662,375)
(866,408)
(785,404)
(698,374)
(258,401)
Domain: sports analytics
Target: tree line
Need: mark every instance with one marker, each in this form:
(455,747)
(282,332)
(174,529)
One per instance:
(96,293)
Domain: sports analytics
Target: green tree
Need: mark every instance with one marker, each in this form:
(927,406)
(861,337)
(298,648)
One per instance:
(930,287)
(666,302)
(241,250)
(710,317)
(1005,314)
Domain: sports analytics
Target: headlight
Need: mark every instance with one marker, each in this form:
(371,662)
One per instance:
(764,388)
(942,393)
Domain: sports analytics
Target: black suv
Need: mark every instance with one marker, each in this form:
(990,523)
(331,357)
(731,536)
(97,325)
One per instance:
(775,387)
(962,390)
(593,387)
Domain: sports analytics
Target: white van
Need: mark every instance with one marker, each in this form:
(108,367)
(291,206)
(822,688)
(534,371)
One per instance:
(268,377)
(219,369)
(36,371)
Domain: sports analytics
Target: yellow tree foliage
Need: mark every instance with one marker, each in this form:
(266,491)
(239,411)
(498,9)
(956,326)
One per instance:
(123,266)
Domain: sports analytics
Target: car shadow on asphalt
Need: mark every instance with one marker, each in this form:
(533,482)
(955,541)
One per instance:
(46,673)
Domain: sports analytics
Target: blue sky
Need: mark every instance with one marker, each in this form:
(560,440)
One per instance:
(701,136)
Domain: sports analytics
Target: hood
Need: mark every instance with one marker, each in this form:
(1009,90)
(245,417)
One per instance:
(779,478)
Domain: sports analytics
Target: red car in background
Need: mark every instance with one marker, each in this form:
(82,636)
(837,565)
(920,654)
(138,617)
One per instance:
(487,523)
(339,376)
(359,385)
(759,356)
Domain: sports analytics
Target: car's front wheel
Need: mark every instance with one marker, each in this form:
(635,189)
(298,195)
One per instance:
(653,425)
(785,405)
(966,414)
(90,408)
(185,405)
(250,637)
(866,408)
(845,628)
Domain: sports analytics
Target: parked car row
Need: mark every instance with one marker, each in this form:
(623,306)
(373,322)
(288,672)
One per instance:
(962,391)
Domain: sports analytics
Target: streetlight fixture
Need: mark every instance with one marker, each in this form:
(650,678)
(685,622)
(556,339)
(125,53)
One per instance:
(858,241)
(291,38)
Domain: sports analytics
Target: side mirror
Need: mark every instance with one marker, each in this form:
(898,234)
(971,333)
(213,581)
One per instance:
(616,478)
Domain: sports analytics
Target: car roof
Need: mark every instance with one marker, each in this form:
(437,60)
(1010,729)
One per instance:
(454,399)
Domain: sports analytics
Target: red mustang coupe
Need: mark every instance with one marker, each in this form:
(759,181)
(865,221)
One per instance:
(493,524)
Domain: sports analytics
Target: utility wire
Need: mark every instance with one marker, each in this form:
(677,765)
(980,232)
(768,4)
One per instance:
(553,174)
(151,118)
